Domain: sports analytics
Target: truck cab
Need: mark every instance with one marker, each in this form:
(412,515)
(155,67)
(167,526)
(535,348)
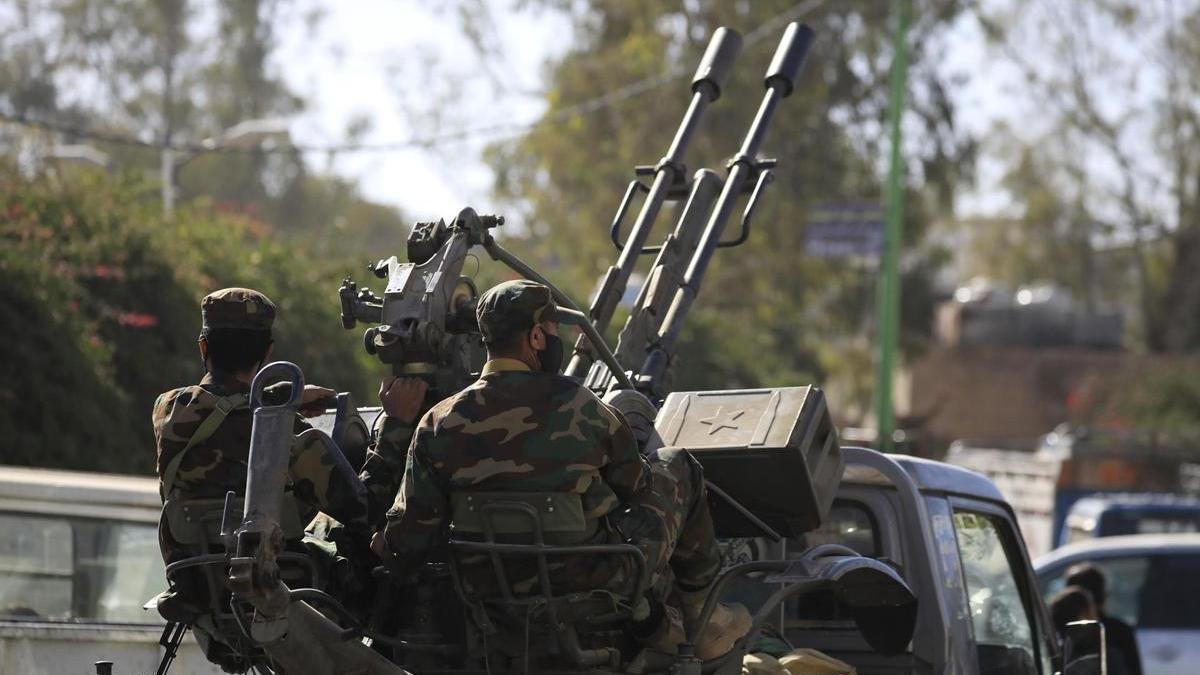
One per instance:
(956,542)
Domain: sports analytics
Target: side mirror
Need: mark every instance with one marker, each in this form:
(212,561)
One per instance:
(1084,649)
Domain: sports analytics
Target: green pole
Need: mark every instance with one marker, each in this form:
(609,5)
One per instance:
(889,278)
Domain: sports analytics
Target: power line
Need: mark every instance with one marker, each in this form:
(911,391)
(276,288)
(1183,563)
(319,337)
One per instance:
(496,130)
(82,133)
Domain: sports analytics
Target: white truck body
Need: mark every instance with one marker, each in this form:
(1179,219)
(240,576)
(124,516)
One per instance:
(78,557)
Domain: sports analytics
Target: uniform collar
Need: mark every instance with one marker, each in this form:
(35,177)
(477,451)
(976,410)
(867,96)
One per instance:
(225,380)
(503,365)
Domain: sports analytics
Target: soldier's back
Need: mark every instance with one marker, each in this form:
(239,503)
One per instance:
(214,464)
(528,432)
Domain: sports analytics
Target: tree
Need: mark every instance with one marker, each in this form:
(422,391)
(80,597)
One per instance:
(1115,84)
(101,295)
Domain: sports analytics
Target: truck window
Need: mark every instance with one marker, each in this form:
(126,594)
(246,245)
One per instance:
(1003,638)
(77,569)
(1163,523)
(850,524)
(1170,598)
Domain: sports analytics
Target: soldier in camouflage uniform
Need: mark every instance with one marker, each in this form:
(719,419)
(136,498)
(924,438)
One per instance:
(403,401)
(522,427)
(203,440)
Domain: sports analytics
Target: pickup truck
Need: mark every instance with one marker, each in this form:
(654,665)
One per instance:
(78,559)
(957,544)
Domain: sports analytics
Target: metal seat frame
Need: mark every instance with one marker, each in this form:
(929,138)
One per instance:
(559,607)
(214,567)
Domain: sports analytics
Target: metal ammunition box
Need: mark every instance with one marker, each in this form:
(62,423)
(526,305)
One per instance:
(774,452)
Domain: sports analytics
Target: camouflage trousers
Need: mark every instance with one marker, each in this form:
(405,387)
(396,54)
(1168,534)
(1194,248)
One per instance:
(671,524)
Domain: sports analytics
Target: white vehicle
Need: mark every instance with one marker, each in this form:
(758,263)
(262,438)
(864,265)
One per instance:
(1153,585)
(78,557)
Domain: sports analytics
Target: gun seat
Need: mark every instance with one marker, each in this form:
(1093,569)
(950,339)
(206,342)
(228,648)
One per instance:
(506,530)
(198,593)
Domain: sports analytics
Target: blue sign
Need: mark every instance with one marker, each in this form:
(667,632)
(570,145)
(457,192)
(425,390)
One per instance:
(843,230)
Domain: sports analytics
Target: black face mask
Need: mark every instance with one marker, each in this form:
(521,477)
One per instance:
(551,357)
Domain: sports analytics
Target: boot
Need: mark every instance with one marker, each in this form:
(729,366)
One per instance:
(728,624)
(668,632)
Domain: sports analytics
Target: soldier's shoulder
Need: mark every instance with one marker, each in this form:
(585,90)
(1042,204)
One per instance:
(438,411)
(167,400)
(543,391)
(192,398)
(562,389)
(193,394)
(486,396)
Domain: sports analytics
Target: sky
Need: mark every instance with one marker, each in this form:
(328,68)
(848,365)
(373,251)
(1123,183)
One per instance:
(375,64)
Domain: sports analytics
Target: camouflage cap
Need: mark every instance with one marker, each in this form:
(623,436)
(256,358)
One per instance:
(237,308)
(515,306)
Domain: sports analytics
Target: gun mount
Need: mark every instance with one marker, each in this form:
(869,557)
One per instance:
(425,321)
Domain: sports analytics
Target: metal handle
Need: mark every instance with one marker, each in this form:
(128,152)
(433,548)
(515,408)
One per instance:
(614,231)
(282,370)
(764,179)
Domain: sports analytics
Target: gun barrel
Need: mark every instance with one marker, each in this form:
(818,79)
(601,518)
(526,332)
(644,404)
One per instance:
(718,60)
(639,335)
(789,58)
(706,87)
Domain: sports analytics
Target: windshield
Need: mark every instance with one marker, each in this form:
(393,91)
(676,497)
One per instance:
(81,569)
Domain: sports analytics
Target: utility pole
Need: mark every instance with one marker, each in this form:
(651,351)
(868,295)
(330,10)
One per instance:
(243,135)
(889,278)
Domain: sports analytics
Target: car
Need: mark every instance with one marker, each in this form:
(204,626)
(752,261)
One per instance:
(1154,586)
(1125,513)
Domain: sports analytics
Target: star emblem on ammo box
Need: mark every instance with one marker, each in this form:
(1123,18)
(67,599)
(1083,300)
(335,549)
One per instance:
(718,421)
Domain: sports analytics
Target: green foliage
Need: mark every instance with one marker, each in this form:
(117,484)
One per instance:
(103,290)
(101,296)
(1107,184)
(1166,400)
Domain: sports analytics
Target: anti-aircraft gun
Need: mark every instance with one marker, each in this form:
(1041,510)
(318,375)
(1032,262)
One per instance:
(771,456)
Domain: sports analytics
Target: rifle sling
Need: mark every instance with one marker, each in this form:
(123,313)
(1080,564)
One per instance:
(225,405)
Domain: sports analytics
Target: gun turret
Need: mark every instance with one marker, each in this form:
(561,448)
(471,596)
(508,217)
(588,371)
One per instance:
(647,341)
(670,180)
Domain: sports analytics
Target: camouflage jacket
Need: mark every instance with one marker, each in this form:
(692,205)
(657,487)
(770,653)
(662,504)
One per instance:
(512,430)
(384,467)
(318,481)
